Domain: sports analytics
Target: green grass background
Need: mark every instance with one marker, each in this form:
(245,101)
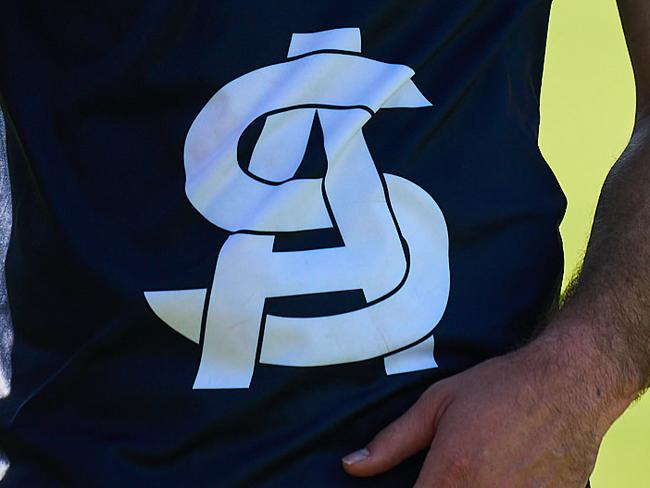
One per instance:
(587,110)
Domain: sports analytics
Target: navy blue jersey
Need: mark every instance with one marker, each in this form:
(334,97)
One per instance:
(247,235)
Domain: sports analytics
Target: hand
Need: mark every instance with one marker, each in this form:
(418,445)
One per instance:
(527,419)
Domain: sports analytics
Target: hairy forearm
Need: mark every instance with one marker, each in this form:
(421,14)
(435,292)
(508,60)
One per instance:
(597,347)
(602,333)
(613,289)
(605,319)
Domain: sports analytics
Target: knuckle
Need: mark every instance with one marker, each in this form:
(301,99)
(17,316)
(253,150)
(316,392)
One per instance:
(434,401)
(433,396)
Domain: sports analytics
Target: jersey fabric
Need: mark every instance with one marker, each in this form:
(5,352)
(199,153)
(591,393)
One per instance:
(247,234)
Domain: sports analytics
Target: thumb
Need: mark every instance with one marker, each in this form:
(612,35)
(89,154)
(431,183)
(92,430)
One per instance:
(409,434)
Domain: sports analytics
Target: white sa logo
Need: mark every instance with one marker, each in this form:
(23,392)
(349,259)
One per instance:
(396,243)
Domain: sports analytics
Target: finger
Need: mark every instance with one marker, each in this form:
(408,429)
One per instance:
(406,436)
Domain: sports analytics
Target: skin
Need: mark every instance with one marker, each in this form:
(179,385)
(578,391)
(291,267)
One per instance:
(536,417)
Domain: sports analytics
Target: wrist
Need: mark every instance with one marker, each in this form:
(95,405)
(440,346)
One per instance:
(586,376)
